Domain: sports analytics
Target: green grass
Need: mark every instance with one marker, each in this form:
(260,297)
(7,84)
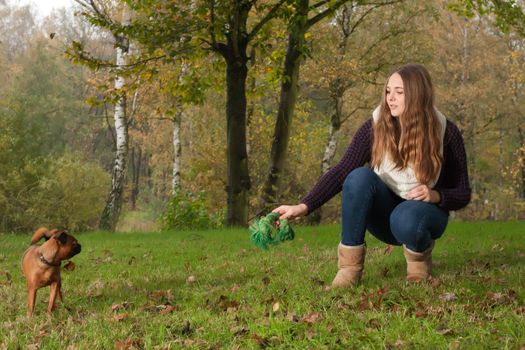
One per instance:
(475,302)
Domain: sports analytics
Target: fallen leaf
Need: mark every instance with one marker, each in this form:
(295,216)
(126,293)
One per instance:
(235,288)
(501,298)
(186,328)
(96,288)
(497,247)
(310,334)
(69,266)
(226,304)
(238,330)
(420,314)
(435,282)
(120,317)
(520,310)
(374,323)
(165,309)
(262,342)
(448,297)
(128,344)
(311,318)
(117,307)
(444,331)
(191,279)
(276,307)
(293,318)
(161,296)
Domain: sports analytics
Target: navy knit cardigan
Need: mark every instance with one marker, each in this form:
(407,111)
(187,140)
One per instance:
(452,185)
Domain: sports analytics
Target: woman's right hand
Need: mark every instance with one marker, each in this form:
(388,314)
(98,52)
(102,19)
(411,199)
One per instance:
(291,211)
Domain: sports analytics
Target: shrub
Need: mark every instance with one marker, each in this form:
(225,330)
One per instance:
(65,192)
(187,210)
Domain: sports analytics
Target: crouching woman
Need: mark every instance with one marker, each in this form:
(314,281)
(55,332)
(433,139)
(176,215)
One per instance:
(404,170)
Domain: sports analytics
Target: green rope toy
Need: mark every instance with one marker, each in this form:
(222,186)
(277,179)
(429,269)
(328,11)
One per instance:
(263,231)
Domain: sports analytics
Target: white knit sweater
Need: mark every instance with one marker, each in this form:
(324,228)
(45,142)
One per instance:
(402,181)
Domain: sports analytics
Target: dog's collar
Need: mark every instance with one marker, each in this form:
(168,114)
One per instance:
(42,259)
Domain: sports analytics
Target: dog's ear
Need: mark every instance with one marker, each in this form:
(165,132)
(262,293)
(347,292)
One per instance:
(61,236)
(49,249)
(41,232)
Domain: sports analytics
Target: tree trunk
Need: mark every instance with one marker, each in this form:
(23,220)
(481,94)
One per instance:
(288,97)
(238,183)
(111,213)
(177,150)
(521,161)
(136,165)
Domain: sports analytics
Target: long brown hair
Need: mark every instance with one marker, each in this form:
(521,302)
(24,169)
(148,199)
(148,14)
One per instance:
(414,137)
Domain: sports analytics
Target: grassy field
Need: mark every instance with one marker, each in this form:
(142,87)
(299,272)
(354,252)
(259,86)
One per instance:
(214,290)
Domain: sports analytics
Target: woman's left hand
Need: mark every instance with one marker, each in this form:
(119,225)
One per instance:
(425,194)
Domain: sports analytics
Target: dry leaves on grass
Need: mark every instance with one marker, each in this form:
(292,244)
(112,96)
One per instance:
(448,297)
(373,300)
(118,307)
(191,279)
(69,266)
(499,298)
(96,288)
(225,304)
(5,278)
(262,342)
(311,318)
(234,288)
(128,344)
(161,296)
(120,317)
(276,307)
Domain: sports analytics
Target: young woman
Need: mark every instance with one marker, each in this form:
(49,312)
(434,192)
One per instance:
(404,170)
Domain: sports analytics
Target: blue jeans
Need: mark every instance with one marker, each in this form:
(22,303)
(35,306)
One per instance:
(368,204)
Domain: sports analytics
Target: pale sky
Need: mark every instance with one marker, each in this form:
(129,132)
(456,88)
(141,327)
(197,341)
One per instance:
(44,7)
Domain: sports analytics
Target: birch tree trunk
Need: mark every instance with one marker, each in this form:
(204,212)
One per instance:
(176,185)
(177,150)
(111,213)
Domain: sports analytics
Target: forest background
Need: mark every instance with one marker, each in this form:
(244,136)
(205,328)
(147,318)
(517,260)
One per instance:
(126,115)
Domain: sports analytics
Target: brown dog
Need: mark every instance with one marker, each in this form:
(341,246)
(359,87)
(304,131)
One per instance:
(41,264)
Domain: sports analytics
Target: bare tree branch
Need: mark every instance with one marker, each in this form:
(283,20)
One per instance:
(319,4)
(265,19)
(325,13)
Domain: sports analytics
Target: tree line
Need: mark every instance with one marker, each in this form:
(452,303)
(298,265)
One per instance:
(224,110)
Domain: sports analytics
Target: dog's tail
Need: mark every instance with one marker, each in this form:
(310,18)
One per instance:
(42,232)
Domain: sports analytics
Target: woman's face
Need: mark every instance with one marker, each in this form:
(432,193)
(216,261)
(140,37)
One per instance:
(395,97)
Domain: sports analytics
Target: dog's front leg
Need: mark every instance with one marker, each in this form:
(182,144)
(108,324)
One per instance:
(60,296)
(52,296)
(31,297)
